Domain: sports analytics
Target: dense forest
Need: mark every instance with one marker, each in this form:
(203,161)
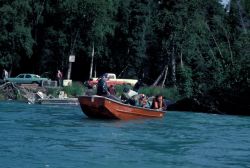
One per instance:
(204,44)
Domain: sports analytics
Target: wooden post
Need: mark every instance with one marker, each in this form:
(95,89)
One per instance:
(71,59)
(69,70)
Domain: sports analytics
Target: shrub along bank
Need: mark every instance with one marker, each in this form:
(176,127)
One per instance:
(217,100)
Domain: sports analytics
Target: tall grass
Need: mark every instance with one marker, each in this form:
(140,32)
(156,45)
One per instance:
(168,93)
(119,89)
(76,89)
(53,91)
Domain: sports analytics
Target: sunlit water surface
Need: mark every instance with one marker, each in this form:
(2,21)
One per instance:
(41,136)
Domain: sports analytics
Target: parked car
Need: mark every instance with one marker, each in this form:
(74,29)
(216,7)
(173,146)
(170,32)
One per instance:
(27,79)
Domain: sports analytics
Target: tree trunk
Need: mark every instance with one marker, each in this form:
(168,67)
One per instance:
(241,16)
(165,77)
(159,77)
(92,60)
(217,45)
(40,12)
(181,60)
(95,71)
(173,66)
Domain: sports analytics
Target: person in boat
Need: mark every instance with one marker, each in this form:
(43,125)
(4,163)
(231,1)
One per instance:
(102,87)
(128,96)
(158,103)
(90,89)
(143,101)
(112,90)
(88,84)
(125,96)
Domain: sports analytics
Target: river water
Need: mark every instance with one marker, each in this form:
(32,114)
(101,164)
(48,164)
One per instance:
(41,136)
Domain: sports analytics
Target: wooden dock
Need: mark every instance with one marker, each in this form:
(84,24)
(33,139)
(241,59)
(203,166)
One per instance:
(59,101)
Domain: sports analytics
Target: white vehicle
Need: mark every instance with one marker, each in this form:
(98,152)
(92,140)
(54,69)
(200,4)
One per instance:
(112,80)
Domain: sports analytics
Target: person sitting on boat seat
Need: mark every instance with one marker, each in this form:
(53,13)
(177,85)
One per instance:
(128,96)
(112,90)
(102,87)
(143,101)
(124,96)
(158,103)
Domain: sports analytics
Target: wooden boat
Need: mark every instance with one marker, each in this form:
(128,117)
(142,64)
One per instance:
(106,108)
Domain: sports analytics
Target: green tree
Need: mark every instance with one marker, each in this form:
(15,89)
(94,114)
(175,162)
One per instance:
(118,43)
(138,25)
(16,41)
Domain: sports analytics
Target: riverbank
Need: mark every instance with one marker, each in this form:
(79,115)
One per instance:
(217,100)
(31,92)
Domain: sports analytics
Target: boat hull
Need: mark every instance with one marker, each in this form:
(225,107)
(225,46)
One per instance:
(105,108)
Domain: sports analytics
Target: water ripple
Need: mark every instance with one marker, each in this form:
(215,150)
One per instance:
(61,136)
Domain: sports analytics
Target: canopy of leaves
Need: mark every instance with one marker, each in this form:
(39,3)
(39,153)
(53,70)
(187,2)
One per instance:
(202,44)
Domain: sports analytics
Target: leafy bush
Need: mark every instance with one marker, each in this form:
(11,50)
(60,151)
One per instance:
(76,89)
(119,89)
(168,93)
(53,91)
(185,84)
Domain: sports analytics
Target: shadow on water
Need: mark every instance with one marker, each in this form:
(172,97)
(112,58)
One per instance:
(120,123)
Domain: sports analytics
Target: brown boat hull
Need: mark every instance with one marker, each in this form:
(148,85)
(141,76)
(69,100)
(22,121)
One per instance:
(105,108)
